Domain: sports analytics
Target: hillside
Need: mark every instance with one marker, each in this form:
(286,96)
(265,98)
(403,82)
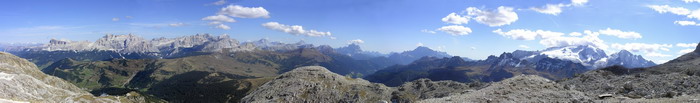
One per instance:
(21,81)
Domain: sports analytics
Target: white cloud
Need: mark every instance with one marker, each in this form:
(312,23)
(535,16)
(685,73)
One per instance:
(222,26)
(684,51)
(215,23)
(523,34)
(589,39)
(517,34)
(674,10)
(499,17)
(456,30)
(621,34)
(115,19)
(553,9)
(694,14)
(294,29)
(473,48)
(579,2)
(453,18)
(575,34)
(637,47)
(428,31)
(176,24)
(687,45)
(686,23)
(419,44)
(244,12)
(128,17)
(555,39)
(655,54)
(524,46)
(691,1)
(356,41)
(219,19)
(220,2)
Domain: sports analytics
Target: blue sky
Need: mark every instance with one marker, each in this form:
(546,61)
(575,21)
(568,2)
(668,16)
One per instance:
(651,28)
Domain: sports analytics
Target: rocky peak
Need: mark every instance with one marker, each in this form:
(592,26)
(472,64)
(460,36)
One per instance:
(697,48)
(523,88)
(423,49)
(125,44)
(629,60)
(317,84)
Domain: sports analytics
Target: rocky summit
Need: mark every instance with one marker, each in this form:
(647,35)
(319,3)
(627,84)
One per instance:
(524,88)
(21,81)
(315,84)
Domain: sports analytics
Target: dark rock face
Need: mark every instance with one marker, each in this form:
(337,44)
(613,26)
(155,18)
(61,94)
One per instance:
(407,57)
(697,49)
(354,51)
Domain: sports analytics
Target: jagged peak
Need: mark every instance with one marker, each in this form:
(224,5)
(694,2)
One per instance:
(697,48)
(624,52)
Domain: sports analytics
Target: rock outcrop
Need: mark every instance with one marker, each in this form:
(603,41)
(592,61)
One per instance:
(21,81)
(315,84)
(523,88)
(426,89)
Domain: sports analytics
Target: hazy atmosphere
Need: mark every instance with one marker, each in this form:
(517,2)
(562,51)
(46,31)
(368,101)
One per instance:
(657,30)
(349,51)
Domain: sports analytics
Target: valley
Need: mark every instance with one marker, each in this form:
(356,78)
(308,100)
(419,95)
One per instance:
(232,74)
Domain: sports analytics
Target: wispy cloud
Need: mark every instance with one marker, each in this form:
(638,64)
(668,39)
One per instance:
(356,41)
(456,30)
(220,2)
(294,29)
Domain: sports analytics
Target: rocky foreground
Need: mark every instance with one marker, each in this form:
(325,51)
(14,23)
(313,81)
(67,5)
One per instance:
(317,84)
(21,81)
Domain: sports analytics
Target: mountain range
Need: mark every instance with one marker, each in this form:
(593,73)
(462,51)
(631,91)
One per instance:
(224,70)
(552,63)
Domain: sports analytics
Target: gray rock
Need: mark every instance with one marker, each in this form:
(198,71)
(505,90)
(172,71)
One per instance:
(21,81)
(134,44)
(425,89)
(523,88)
(315,84)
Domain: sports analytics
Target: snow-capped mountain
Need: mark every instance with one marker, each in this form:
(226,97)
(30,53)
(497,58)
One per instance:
(629,60)
(589,56)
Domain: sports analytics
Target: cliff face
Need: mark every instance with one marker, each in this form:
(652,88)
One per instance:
(126,44)
(21,80)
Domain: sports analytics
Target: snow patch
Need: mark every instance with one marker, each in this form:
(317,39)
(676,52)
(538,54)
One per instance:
(5,76)
(3,100)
